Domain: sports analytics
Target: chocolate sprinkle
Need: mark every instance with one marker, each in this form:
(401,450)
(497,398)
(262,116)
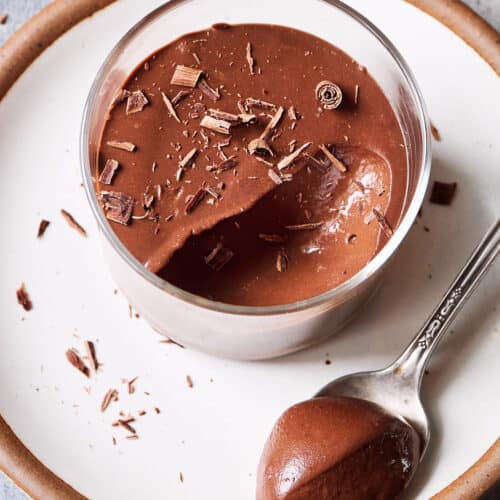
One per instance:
(108,172)
(384,224)
(136,102)
(73,357)
(218,257)
(111,395)
(72,222)
(435,132)
(310,226)
(443,193)
(23,298)
(118,206)
(91,356)
(44,224)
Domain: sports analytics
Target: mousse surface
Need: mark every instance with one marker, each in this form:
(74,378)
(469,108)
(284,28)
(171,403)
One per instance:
(239,183)
(337,448)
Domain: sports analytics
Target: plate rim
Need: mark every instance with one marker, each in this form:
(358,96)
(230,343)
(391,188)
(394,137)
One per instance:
(37,34)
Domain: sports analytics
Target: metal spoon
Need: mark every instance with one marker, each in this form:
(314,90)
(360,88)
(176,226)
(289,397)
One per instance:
(397,387)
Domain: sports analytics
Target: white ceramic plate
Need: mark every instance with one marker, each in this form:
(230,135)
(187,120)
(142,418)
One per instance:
(214,431)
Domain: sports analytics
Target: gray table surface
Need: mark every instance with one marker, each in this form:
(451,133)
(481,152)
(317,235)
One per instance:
(21,10)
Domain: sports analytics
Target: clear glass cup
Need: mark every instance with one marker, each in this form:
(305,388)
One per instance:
(245,332)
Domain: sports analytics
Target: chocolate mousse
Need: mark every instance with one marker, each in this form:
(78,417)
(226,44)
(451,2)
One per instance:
(337,448)
(252,164)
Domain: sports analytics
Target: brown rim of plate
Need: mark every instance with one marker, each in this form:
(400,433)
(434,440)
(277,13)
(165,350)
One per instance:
(16,55)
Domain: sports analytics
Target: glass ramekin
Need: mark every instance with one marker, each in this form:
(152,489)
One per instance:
(245,332)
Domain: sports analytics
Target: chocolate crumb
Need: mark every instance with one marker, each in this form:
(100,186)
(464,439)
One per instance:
(3,18)
(185,76)
(281,261)
(111,395)
(443,193)
(91,356)
(189,381)
(328,362)
(136,102)
(72,222)
(44,224)
(108,172)
(23,298)
(181,477)
(435,132)
(170,107)
(77,362)
(218,257)
(250,59)
(157,410)
(211,93)
(123,145)
(118,206)
(141,413)
(384,224)
(310,226)
(290,159)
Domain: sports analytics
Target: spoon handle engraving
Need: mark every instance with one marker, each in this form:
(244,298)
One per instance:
(416,356)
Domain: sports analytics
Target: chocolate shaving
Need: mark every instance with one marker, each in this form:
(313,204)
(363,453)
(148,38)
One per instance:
(273,124)
(196,57)
(168,340)
(312,160)
(265,162)
(329,94)
(108,172)
(259,146)
(111,395)
(91,356)
(211,93)
(188,159)
(72,222)
(23,298)
(185,76)
(194,201)
(443,193)
(218,257)
(281,261)
(120,97)
(228,164)
(136,102)
(118,206)
(356,94)
(310,226)
(216,125)
(77,362)
(290,159)
(125,423)
(44,224)
(181,477)
(292,114)
(333,159)
(250,59)
(241,119)
(181,95)
(274,177)
(384,224)
(170,107)
(250,102)
(123,145)
(272,238)
(189,381)
(130,385)
(435,132)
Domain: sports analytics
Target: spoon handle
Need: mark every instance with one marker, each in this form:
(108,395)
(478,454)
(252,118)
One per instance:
(416,356)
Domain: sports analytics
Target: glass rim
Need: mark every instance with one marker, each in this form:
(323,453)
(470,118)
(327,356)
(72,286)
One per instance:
(370,269)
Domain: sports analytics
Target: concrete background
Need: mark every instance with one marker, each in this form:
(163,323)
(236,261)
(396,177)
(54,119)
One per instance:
(20,10)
